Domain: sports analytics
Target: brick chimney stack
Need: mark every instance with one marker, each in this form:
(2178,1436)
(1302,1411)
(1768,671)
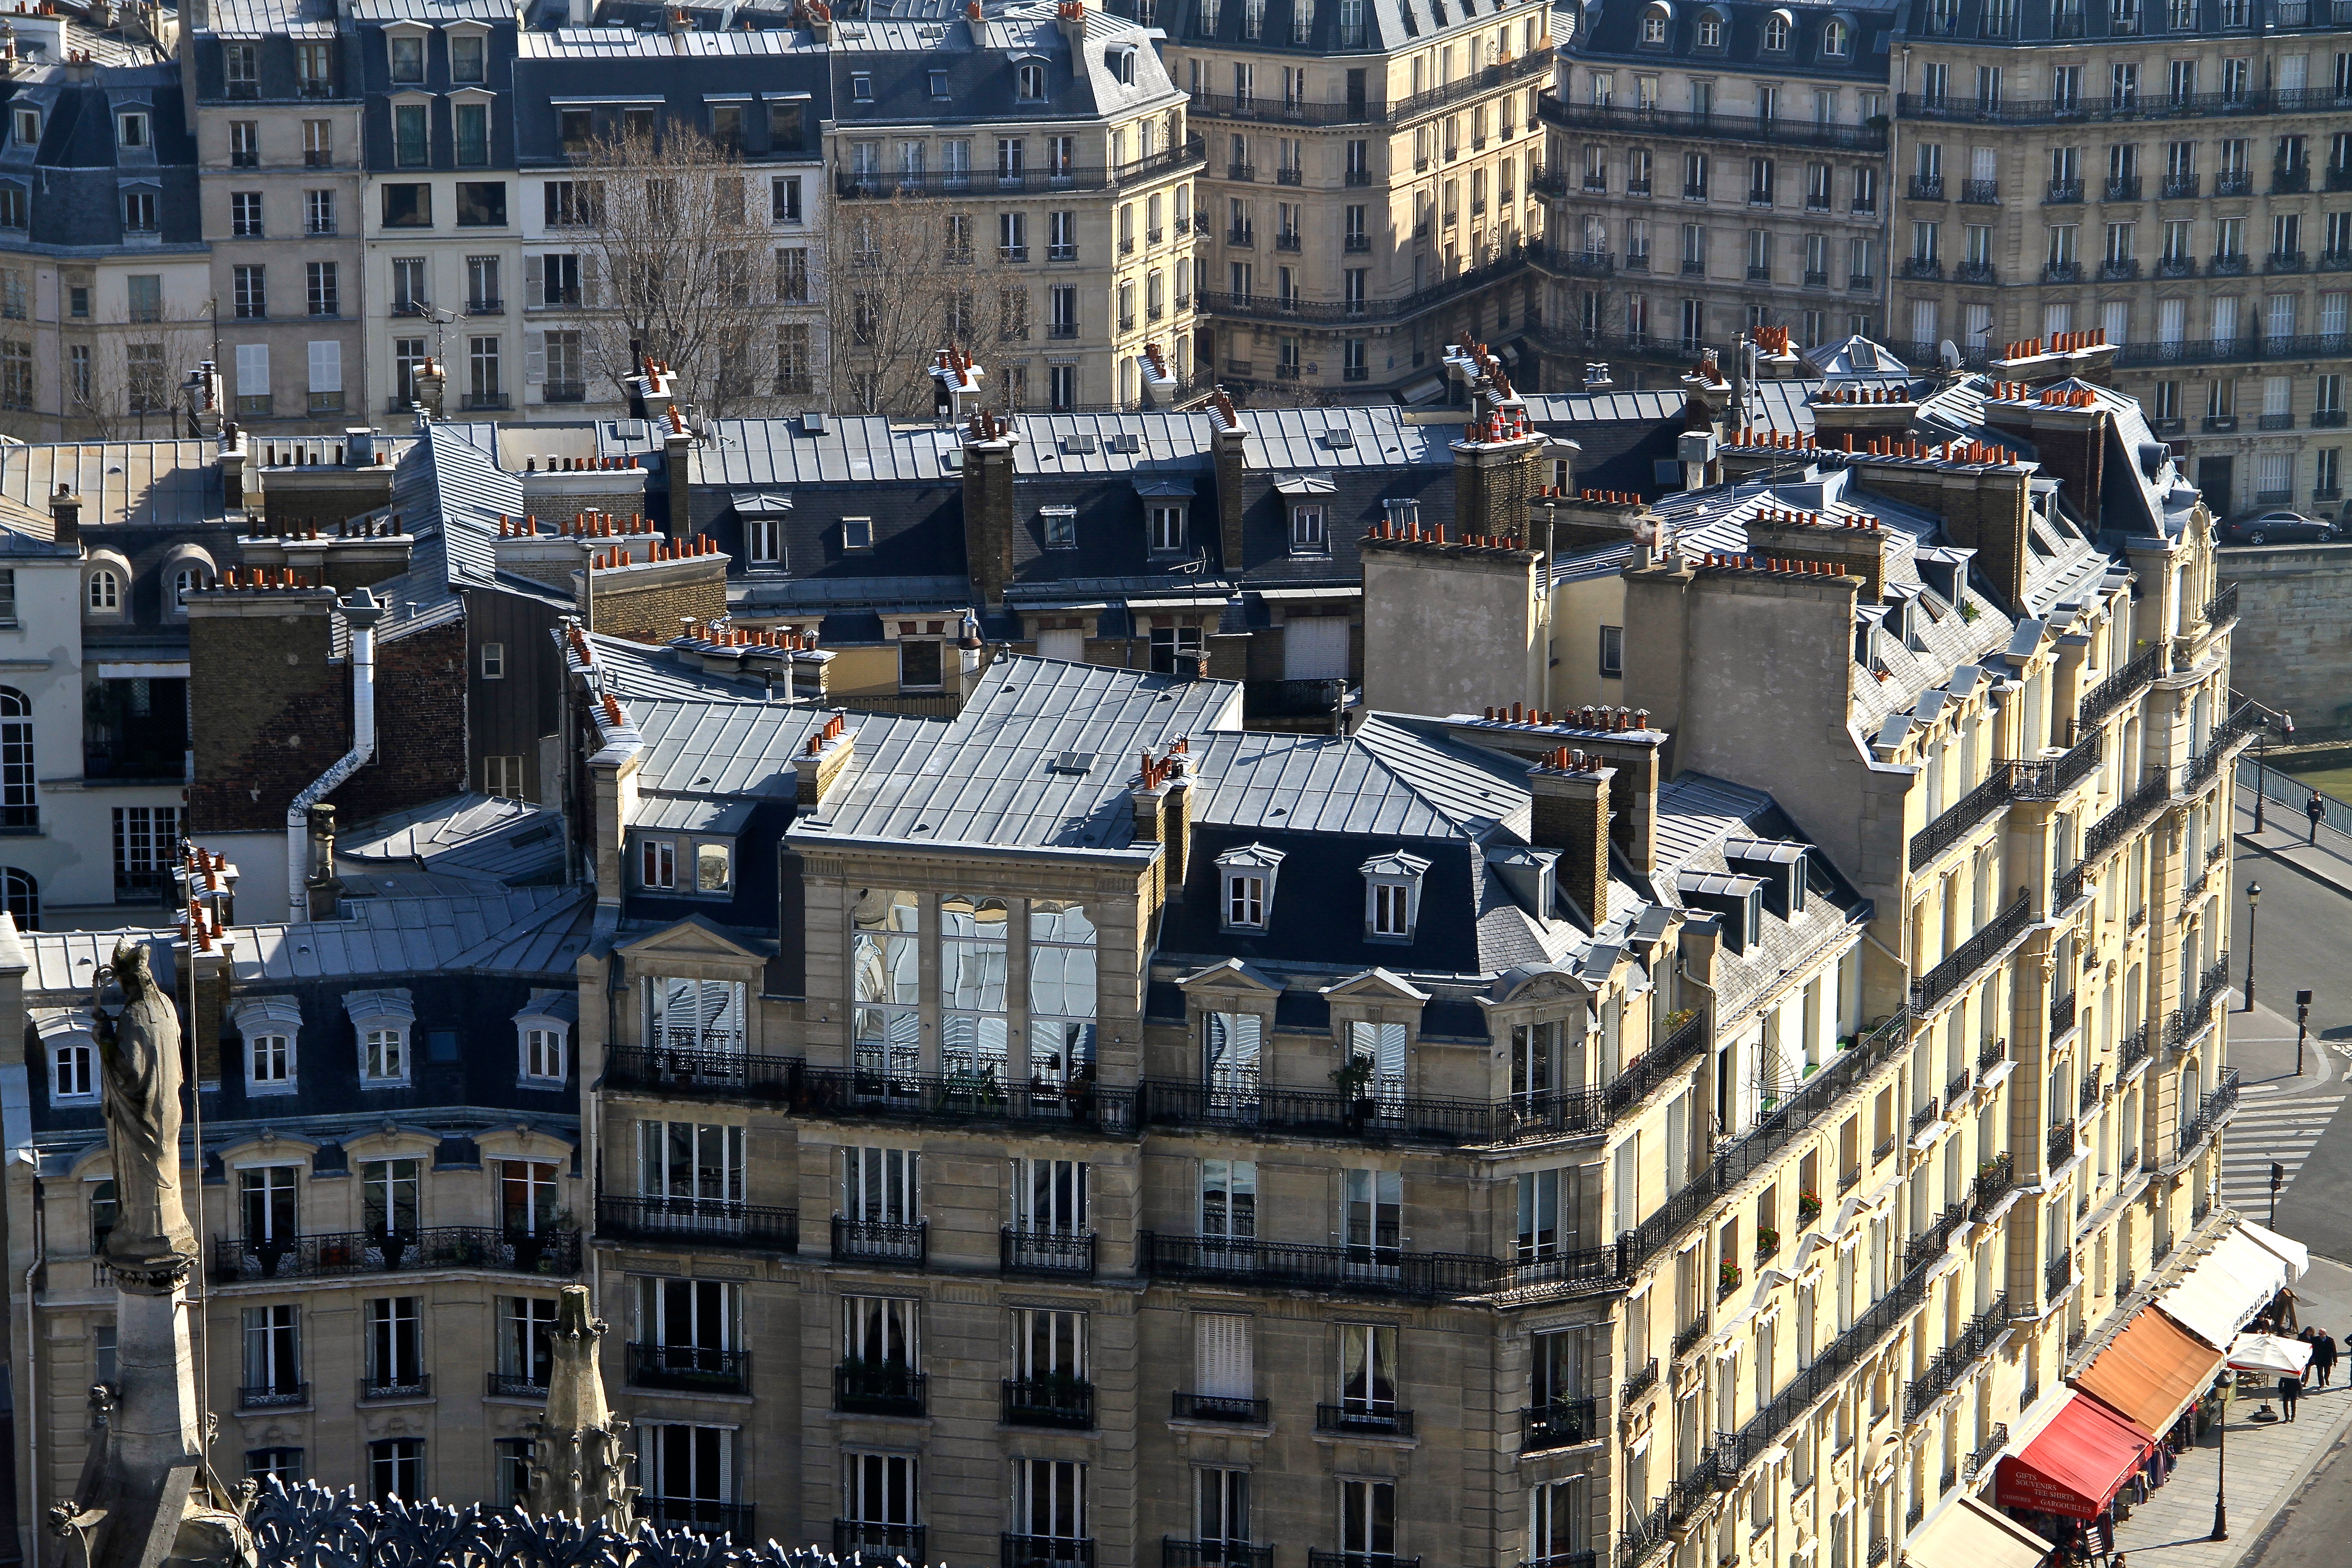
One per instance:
(1980,488)
(829,750)
(1232,441)
(2068,426)
(1162,802)
(1570,813)
(65,516)
(1855,541)
(1498,461)
(988,520)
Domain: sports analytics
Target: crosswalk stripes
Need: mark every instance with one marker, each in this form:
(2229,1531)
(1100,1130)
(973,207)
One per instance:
(2283,1129)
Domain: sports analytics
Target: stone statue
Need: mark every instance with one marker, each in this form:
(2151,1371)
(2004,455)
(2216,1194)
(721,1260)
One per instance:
(139,1053)
(147,1499)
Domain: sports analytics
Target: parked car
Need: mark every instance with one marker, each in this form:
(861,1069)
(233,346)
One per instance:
(2278,527)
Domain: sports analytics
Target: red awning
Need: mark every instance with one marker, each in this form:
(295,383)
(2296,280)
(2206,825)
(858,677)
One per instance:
(2077,1465)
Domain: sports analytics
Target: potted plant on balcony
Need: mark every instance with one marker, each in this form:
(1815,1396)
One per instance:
(334,1252)
(1767,1241)
(1351,1078)
(1809,1207)
(1078,1093)
(531,1245)
(1726,1277)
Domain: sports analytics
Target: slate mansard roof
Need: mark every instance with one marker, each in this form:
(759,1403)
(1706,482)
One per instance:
(1611,32)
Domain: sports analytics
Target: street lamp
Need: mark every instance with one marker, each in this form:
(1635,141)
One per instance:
(2221,1470)
(2253,902)
(2302,1027)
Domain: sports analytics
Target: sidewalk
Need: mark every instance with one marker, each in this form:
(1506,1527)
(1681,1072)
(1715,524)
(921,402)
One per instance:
(2268,1462)
(2284,830)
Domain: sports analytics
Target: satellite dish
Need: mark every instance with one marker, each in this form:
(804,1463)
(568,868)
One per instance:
(1950,353)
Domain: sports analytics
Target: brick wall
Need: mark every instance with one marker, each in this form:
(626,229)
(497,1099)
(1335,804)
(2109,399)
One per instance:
(288,503)
(421,751)
(620,502)
(651,613)
(268,712)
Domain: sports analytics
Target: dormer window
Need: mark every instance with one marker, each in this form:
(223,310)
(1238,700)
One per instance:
(1402,514)
(407,58)
(1122,66)
(1029,81)
(1392,895)
(1776,34)
(1247,876)
(1167,524)
(1653,28)
(131,129)
(1710,31)
(1836,39)
(861,86)
(938,84)
(28,129)
(271,1027)
(543,1037)
(72,1058)
(383,1020)
(1307,535)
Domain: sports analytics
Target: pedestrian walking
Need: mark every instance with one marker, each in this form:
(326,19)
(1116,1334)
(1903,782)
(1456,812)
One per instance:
(2290,1389)
(2314,808)
(2323,1351)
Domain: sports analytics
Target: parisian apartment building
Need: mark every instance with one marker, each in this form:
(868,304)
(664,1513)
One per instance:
(1674,1142)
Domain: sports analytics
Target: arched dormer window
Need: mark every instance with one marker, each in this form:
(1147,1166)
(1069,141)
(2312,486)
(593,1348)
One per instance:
(19,803)
(1777,29)
(1029,81)
(272,1029)
(1710,30)
(1837,39)
(71,1057)
(1655,22)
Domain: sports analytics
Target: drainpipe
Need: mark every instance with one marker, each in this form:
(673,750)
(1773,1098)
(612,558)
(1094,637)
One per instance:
(361,612)
(33,1349)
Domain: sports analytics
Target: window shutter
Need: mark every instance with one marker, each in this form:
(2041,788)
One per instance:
(326,365)
(253,370)
(1223,1356)
(534,286)
(534,357)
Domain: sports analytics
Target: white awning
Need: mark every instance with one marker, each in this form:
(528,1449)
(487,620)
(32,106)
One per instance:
(2224,1292)
(2296,1256)
(2269,1353)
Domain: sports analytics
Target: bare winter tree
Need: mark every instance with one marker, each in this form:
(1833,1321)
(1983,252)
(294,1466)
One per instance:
(684,271)
(908,277)
(125,386)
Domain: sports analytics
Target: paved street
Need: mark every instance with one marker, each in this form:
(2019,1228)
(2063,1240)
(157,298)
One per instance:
(2302,937)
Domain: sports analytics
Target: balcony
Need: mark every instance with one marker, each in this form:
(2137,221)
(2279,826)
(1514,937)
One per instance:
(1055,1254)
(2056,1275)
(2060,1146)
(2294,182)
(554,1254)
(2062,272)
(2090,1092)
(1995,1441)
(2274,422)
(882,1542)
(2176,267)
(515,1385)
(1356,1270)
(2062,1015)
(1922,266)
(1046,1551)
(483,401)
(2211,1113)
(1289,176)
(1377,1119)
(698,1222)
(1673,122)
(689,1368)
(1359,1560)
(1562,1424)
(2327,418)
(1994,1180)
(1861,283)
(2064,191)
(1924,1116)
(1925,188)
(879,1388)
(1357,243)
(2119,269)
(1693,192)
(277,1396)
(852,185)
(1971,955)
(1816,280)
(1694,267)
(2126,189)
(705,1516)
(479,308)
(1242,236)
(1218,1407)
(2179,189)
(1058,1401)
(378,1391)
(1246,173)
(1175,1554)
(881,1241)
(2220,424)
(2133,1051)
(1688,1337)
(2284,261)
(577,391)
(1976,1339)
(1991,1055)
(1981,192)
(858,1094)
(1287,241)
(1963,1083)
(1976,272)
(1760,198)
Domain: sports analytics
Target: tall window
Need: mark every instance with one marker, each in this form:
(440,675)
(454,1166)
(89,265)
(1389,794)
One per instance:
(881,1186)
(388,1197)
(1368,1356)
(273,1356)
(265,1201)
(695,1015)
(1229,1199)
(696,1169)
(1230,1056)
(879,1498)
(395,1347)
(1049,1507)
(972,969)
(526,1348)
(1061,992)
(886,955)
(72,1060)
(1049,1195)
(1368,1518)
(527,1201)
(1375,1209)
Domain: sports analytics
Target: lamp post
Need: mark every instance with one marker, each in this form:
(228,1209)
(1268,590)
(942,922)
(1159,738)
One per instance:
(2302,1027)
(2253,902)
(2221,1470)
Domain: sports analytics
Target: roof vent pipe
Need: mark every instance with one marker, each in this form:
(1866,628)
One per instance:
(361,612)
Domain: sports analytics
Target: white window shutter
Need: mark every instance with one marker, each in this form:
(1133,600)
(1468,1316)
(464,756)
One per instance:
(253,370)
(1222,1356)
(326,365)
(534,357)
(534,270)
